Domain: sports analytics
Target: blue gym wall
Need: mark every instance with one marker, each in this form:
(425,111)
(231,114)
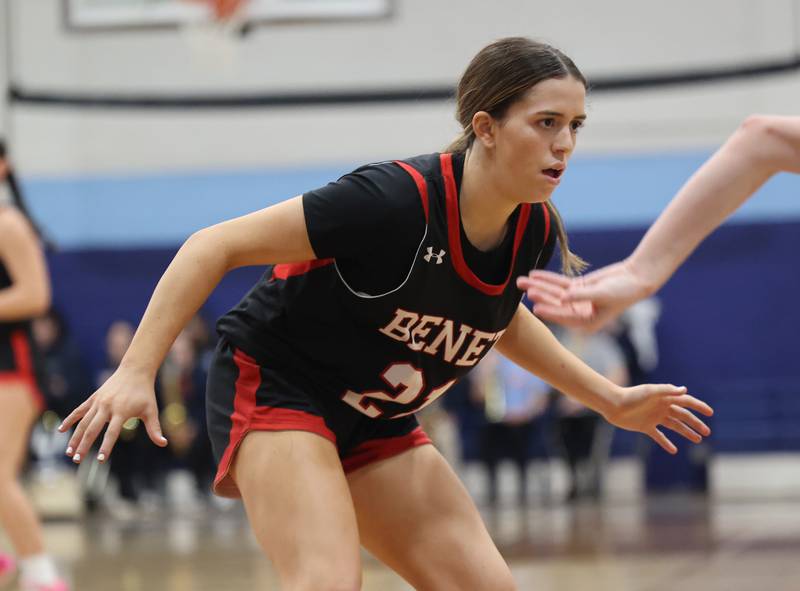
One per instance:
(729,315)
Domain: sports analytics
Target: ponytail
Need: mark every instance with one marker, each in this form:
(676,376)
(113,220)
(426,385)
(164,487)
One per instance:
(19,201)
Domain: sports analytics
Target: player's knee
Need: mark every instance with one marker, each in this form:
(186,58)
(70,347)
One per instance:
(333,578)
(489,577)
(503,581)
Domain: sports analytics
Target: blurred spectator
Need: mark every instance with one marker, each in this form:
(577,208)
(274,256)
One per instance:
(512,399)
(135,464)
(68,379)
(200,334)
(183,380)
(635,331)
(585,437)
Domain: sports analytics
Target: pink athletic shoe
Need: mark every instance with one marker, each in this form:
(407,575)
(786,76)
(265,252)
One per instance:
(57,586)
(8,568)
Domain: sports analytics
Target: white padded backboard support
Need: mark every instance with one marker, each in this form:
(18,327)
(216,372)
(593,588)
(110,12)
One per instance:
(104,14)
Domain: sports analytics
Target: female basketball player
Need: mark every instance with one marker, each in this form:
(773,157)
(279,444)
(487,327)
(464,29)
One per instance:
(24,293)
(762,147)
(406,283)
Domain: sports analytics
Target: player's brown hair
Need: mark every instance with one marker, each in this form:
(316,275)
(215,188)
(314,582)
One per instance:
(498,76)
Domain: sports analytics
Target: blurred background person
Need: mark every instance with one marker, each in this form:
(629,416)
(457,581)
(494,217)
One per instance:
(24,294)
(512,399)
(183,381)
(65,368)
(584,436)
(137,470)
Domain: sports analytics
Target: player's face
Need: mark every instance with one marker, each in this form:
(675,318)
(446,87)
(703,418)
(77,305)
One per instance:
(537,136)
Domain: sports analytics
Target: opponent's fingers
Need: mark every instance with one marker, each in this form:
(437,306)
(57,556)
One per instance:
(80,429)
(556,279)
(661,439)
(91,433)
(595,276)
(692,421)
(682,429)
(153,427)
(689,401)
(76,414)
(110,438)
(583,292)
(564,315)
(545,295)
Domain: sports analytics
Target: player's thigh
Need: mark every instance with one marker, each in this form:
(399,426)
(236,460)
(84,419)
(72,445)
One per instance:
(299,506)
(19,411)
(416,516)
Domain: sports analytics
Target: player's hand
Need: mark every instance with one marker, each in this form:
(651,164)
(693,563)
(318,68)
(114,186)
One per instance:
(650,407)
(126,394)
(590,301)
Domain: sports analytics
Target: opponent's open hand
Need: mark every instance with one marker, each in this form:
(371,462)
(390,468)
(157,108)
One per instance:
(590,301)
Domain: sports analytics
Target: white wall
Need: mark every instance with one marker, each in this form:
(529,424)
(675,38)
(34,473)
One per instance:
(424,43)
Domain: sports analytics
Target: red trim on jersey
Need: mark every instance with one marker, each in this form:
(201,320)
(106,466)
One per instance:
(454,234)
(383,448)
(24,364)
(286,270)
(546,214)
(248,417)
(422,186)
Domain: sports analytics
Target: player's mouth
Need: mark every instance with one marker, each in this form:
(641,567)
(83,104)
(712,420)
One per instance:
(554,174)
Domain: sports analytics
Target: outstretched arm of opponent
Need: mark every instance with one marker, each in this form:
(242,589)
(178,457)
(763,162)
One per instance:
(646,408)
(274,235)
(760,148)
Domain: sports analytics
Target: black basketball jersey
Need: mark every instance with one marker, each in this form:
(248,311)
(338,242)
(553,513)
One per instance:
(391,353)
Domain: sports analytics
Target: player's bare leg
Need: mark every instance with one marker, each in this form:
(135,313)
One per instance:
(17,515)
(299,507)
(416,516)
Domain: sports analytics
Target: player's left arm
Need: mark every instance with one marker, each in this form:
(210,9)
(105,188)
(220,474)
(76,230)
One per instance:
(29,292)
(528,343)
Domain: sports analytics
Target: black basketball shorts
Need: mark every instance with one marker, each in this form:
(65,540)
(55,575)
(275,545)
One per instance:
(243,396)
(20,364)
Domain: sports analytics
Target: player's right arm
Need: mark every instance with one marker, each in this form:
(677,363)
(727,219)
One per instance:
(273,235)
(762,147)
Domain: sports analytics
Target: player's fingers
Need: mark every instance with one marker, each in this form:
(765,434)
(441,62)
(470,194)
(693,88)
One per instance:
(153,427)
(689,401)
(681,429)
(110,438)
(80,429)
(661,439)
(687,417)
(76,414)
(91,433)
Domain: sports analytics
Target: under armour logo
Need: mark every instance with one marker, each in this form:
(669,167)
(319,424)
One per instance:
(439,257)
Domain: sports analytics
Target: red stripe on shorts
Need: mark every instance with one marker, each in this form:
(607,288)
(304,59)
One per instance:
(249,417)
(24,364)
(383,448)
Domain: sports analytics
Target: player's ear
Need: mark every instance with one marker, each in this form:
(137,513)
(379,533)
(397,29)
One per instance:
(484,125)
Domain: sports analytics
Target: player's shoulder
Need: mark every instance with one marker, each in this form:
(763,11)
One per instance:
(425,164)
(13,223)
